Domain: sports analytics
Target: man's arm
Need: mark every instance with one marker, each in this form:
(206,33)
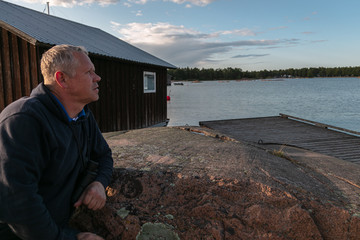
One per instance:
(94,194)
(21,166)
(101,153)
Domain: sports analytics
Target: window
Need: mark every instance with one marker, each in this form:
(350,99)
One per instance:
(149,82)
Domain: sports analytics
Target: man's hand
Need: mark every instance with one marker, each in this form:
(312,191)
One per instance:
(93,197)
(88,236)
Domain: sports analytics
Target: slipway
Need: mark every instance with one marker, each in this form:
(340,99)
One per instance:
(292,131)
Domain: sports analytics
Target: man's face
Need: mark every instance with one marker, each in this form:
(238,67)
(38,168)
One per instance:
(83,86)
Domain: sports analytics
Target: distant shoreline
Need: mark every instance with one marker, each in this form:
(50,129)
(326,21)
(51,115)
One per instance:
(238,73)
(251,79)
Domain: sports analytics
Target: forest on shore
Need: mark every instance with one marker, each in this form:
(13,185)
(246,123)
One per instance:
(182,74)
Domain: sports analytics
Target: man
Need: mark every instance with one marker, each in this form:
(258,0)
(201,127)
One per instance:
(46,142)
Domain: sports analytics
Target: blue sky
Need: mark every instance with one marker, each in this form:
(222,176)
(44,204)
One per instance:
(247,34)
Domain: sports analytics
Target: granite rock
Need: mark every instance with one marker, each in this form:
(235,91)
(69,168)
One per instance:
(190,183)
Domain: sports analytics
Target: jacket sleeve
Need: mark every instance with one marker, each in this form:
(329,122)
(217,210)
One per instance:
(22,151)
(101,153)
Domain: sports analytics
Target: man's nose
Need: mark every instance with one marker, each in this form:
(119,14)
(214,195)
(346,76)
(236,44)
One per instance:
(97,78)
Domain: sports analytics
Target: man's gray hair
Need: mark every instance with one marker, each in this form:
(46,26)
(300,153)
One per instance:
(60,58)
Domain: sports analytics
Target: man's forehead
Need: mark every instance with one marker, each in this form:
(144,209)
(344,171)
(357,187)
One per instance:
(80,55)
(83,58)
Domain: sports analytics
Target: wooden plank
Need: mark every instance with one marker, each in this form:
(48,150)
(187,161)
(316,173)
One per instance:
(112,100)
(104,97)
(101,110)
(134,99)
(2,90)
(95,105)
(124,90)
(117,86)
(16,68)
(34,67)
(8,96)
(334,145)
(26,79)
(321,124)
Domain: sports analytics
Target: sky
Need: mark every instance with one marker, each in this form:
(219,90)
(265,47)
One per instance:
(252,35)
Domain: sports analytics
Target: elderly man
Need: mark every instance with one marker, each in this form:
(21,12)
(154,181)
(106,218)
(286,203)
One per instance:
(46,143)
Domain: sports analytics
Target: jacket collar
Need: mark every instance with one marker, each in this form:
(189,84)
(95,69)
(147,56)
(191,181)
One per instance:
(51,102)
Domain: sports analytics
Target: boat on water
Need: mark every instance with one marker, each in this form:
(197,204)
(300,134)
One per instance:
(178,83)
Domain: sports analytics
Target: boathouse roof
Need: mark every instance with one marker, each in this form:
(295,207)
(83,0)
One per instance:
(40,28)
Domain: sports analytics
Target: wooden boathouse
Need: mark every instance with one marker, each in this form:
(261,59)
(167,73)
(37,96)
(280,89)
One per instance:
(133,86)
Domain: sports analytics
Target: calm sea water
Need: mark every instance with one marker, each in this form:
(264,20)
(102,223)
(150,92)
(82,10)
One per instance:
(334,101)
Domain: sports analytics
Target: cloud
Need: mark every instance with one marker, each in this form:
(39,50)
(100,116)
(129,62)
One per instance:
(187,47)
(137,1)
(71,3)
(277,28)
(241,32)
(319,41)
(188,3)
(139,13)
(307,18)
(128,3)
(308,33)
(250,55)
(200,3)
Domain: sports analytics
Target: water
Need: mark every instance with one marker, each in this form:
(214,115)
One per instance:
(333,101)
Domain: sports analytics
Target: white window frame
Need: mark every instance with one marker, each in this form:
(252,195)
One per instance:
(146,82)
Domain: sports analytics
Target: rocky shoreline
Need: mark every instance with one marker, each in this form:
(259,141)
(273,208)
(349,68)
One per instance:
(194,183)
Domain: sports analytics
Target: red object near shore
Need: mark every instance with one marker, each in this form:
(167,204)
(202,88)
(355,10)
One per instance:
(168,98)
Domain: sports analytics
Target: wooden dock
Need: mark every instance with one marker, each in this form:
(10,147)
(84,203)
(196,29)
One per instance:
(292,131)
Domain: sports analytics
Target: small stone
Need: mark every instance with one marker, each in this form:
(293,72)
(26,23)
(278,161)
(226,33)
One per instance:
(123,213)
(156,231)
(169,216)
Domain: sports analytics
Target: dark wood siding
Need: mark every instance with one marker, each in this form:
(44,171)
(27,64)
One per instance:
(123,105)
(19,67)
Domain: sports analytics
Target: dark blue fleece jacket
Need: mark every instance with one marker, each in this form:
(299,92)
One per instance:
(40,164)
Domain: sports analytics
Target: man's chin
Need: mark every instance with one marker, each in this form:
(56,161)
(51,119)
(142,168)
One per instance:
(94,99)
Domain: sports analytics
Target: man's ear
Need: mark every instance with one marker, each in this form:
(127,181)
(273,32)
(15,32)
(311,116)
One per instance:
(60,79)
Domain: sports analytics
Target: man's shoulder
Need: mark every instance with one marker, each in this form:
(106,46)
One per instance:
(23,106)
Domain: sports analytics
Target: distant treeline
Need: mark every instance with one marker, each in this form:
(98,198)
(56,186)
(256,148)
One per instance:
(237,73)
